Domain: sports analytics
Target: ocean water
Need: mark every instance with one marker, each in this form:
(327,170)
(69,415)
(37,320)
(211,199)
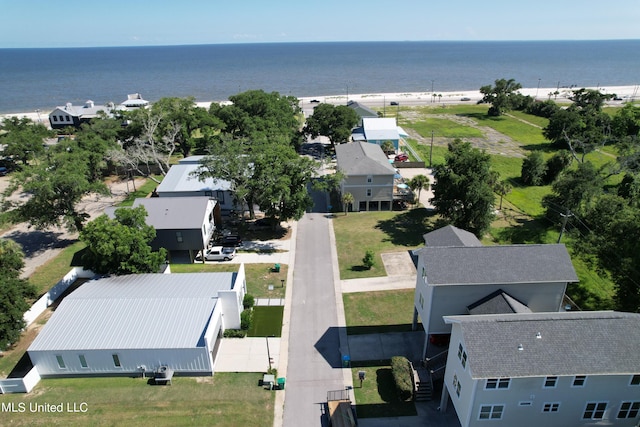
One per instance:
(33,79)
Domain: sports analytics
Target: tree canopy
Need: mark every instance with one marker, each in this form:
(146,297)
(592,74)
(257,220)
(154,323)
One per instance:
(334,122)
(13,293)
(462,190)
(502,96)
(121,245)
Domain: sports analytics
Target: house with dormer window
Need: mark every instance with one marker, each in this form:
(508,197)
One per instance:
(551,369)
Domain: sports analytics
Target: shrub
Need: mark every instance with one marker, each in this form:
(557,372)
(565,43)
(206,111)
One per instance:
(248,302)
(234,333)
(402,376)
(245,319)
(533,169)
(368,260)
(556,164)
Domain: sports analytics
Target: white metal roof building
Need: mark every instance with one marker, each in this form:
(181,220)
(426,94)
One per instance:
(136,323)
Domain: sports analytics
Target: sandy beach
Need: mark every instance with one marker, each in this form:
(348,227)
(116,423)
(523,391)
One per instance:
(627,93)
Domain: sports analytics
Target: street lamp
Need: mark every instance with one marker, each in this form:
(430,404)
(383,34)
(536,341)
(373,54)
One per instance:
(537,89)
(432,97)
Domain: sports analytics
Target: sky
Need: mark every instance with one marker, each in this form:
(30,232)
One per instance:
(92,23)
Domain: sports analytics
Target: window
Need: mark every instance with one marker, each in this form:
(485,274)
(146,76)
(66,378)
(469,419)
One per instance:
(594,411)
(635,380)
(424,273)
(55,118)
(525,403)
(462,355)
(550,382)
(83,361)
(490,412)
(421,301)
(179,236)
(369,179)
(551,407)
(629,410)
(369,192)
(60,360)
(578,381)
(116,361)
(497,383)
(458,387)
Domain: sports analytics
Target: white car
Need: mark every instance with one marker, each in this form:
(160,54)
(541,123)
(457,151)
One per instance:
(218,253)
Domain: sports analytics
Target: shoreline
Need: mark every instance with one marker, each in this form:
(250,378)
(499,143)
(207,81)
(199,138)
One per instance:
(627,93)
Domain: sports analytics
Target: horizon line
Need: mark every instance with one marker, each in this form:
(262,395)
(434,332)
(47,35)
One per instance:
(322,42)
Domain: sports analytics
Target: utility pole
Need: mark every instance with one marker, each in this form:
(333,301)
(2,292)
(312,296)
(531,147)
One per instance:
(565,217)
(431,151)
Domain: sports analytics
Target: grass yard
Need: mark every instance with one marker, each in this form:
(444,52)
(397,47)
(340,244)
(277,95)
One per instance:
(225,400)
(259,276)
(51,272)
(444,128)
(377,312)
(378,397)
(267,321)
(380,232)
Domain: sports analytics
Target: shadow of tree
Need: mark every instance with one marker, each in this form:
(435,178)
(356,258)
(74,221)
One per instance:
(407,228)
(34,242)
(524,231)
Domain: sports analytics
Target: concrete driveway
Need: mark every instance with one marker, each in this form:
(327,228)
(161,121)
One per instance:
(247,354)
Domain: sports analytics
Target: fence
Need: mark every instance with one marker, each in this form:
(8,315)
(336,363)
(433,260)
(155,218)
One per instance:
(54,293)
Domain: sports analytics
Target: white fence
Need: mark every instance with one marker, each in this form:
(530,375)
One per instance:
(54,293)
(20,385)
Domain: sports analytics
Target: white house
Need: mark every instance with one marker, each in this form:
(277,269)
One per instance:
(71,115)
(544,369)
(128,325)
(180,182)
(377,130)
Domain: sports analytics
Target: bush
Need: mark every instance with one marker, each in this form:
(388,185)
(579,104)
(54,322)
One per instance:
(234,333)
(556,164)
(533,169)
(248,302)
(368,260)
(402,376)
(246,317)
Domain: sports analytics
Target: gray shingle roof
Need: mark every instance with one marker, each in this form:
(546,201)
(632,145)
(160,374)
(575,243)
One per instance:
(451,236)
(135,311)
(498,302)
(572,343)
(362,158)
(468,265)
(174,212)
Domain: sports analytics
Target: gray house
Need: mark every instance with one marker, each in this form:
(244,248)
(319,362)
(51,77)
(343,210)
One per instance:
(180,182)
(544,369)
(72,115)
(459,280)
(369,176)
(129,325)
(183,224)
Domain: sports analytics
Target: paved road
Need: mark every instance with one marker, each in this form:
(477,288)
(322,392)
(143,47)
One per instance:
(314,357)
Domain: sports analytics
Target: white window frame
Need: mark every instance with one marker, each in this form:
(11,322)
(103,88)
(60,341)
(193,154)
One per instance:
(595,410)
(634,406)
(492,409)
(369,192)
(116,360)
(550,407)
(635,380)
(550,378)
(83,361)
(60,361)
(369,179)
(496,383)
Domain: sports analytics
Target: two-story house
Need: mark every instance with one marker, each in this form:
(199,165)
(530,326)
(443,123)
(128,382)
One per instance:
(369,176)
(544,369)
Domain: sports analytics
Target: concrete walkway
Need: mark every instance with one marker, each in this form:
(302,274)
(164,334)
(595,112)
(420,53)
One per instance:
(247,354)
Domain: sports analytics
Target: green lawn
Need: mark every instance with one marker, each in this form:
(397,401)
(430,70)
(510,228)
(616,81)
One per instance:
(225,400)
(267,321)
(380,232)
(52,271)
(259,276)
(380,311)
(378,397)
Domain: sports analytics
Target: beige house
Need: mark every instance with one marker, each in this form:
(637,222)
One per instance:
(369,176)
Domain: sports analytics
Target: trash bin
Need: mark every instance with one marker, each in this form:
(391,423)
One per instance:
(346,359)
(281,382)
(276,268)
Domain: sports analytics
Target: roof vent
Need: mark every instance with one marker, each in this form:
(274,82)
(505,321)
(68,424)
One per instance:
(539,335)
(520,347)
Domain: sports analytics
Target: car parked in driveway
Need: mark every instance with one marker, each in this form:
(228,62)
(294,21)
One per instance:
(402,157)
(218,253)
(230,240)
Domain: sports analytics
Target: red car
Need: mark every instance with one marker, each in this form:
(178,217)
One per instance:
(401,157)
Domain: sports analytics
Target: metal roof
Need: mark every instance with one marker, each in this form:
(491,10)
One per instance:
(362,158)
(179,179)
(139,311)
(551,344)
(175,212)
(469,265)
(380,128)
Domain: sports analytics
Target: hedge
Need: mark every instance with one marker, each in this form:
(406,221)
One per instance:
(402,376)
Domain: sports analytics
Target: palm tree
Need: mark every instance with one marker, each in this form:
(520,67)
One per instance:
(502,188)
(347,199)
(419,182)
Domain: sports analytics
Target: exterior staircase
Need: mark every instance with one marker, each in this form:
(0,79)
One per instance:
(423,389)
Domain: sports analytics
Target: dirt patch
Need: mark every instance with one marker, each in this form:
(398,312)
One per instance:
(492,141)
